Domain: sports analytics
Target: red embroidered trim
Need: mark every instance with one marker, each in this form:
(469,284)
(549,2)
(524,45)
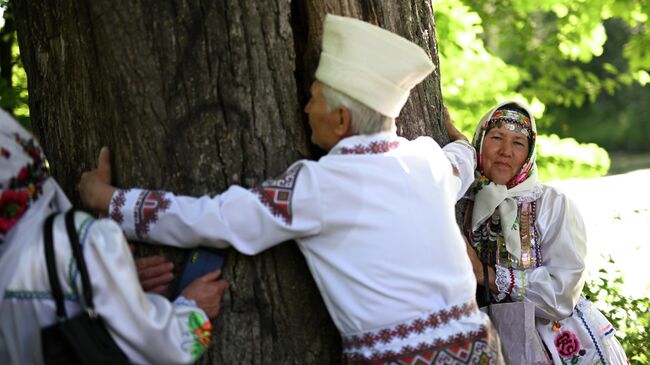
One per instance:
(402,331)
(147,207)
(372,148)
(461,347)
(119,199)
(512,281)
(277,194)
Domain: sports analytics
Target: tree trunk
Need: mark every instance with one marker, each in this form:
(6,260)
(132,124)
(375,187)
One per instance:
(192,96)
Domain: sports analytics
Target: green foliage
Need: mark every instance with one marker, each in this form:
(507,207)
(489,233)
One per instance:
(565,158)
(537,52)
(13,93)
(473,80)
(630,316)
(550,40)
(617,121)
(14,97)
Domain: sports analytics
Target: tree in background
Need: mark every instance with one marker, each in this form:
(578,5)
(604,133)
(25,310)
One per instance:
(193,96)
(626,105)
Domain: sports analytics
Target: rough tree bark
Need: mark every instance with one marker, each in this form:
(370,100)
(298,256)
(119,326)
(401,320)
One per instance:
(193,96)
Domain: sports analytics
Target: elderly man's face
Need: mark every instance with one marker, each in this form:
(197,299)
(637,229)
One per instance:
(323,124)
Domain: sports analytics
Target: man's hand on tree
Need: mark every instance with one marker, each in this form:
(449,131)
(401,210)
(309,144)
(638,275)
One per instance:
(452,131)
(95,187)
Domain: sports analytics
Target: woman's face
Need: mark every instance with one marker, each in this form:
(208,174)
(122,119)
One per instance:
(504,153)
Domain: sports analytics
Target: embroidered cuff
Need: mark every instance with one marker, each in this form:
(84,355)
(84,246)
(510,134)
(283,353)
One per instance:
(121,210)
(505,282)
(137,210)
(116,205)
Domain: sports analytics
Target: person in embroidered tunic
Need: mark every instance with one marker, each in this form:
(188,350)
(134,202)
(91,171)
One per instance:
(147,327)
(374,218)
(532,239)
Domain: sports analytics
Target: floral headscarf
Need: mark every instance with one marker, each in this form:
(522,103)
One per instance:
(500,200)
(23,171)
(511,117)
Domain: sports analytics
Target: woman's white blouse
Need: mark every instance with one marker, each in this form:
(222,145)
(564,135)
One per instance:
(147,327)
(555,286)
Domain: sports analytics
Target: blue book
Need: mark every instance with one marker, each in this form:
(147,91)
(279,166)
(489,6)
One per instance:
(200,262)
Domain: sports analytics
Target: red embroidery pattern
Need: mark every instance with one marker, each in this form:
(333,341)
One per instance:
(463,348)
(401,331)
(372,148)
(512,281)
(119,199)
(147,207)
(277,194)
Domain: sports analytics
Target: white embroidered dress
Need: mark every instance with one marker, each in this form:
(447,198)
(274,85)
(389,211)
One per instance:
(147,327)
(550,274)
(375,221)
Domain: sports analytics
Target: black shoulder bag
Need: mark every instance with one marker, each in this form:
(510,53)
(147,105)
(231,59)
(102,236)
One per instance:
(82,339)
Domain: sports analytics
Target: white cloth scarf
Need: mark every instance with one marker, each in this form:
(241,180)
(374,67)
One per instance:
(492,197)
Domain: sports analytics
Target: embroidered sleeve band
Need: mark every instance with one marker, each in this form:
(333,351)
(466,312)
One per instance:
(136,211)
(249,220)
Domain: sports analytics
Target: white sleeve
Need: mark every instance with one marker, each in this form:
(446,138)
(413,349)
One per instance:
(462,156)
(147,327)
(555,286)
(251,220)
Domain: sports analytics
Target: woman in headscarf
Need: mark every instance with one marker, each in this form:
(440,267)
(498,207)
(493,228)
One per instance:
(147,327)
(530,240)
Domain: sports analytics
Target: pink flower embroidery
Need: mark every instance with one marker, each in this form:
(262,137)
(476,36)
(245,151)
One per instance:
(567,344)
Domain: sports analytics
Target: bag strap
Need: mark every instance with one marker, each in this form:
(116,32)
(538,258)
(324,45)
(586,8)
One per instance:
(81,263)
(486,280)
(486,289)
(55,285)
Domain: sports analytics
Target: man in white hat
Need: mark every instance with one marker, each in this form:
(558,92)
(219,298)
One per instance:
(374,218)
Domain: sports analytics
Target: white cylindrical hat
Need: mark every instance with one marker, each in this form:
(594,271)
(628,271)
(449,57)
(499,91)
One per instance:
(370,64)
